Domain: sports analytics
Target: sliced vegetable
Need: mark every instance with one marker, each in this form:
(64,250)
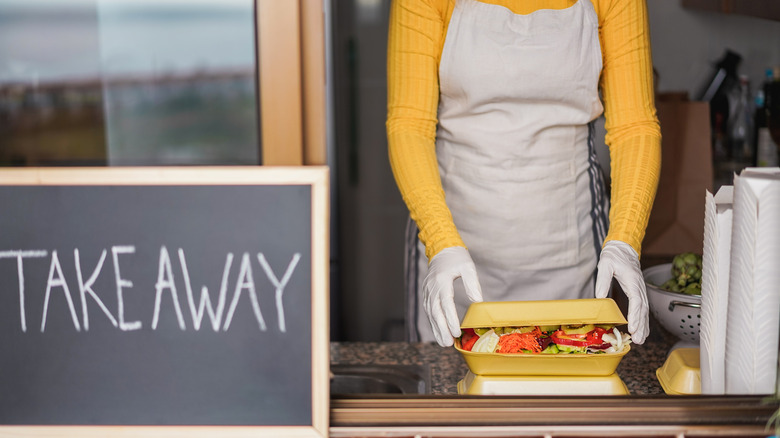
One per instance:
(535,340)
(572,349)
(617,340)
(561,338)
(519,342)
(577,329)
(525,329)
(594,336)
(544,341)
(468,338)
(486,343)
(599,347)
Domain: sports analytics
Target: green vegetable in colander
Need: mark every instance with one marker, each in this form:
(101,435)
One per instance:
(686,274)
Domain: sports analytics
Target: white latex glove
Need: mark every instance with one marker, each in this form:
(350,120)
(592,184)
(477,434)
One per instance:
(619,260)
(439,292)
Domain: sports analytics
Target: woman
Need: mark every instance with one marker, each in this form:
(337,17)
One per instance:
(490,105)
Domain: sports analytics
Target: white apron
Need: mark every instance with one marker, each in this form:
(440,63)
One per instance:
(514,145)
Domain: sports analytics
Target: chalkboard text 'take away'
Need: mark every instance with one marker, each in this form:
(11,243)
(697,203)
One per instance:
(165,289)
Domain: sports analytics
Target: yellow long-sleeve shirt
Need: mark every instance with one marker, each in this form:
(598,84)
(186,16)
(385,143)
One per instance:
(416,38)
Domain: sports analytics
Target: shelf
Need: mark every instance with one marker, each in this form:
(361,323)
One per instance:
(766,9)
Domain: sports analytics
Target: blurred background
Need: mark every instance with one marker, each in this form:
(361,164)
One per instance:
(173,82)
(119,82)
(687,44)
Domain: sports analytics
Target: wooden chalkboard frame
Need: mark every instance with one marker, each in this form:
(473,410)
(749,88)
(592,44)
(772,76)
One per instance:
(314,176)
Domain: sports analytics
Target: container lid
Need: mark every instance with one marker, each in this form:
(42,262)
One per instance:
(680,373)
(526,364)
(548,312)
(474,384)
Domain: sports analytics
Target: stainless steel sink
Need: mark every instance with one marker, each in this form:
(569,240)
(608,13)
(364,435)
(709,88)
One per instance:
(380,379)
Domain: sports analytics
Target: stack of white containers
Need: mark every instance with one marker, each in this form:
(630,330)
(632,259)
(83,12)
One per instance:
(740,326)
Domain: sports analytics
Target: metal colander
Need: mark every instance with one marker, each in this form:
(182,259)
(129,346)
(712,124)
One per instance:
(678,313)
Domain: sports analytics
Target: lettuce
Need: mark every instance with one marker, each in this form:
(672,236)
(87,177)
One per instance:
(486,343)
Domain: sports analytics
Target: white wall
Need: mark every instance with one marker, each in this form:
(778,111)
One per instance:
(686,44)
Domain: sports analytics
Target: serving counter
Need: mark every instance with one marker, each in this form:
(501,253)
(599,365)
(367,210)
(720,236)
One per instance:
(441,411)
(447,367)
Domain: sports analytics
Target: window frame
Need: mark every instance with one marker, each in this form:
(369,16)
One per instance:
(291,81)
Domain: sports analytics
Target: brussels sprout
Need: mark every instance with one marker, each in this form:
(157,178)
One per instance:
(669,284)
(690,258)
(686,274)
(692,289)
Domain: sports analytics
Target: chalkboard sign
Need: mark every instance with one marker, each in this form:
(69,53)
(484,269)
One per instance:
(164,296)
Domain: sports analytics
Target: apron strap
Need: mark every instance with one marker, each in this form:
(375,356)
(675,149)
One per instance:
(412,279)
(599,198)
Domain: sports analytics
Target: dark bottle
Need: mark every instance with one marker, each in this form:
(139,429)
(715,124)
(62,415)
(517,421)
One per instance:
(766,150)
(772,91)
(740,126)
(723,77)
(716,91)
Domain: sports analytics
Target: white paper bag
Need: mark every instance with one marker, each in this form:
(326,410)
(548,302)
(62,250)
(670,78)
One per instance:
(716,259)
(754,284)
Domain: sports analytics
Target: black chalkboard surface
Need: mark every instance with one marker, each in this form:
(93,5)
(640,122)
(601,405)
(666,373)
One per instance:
(173,296)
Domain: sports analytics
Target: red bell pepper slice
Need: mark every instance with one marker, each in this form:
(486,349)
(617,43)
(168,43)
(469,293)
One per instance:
(560,338)
(468,338)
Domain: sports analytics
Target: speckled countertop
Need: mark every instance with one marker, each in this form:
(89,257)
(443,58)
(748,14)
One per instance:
(637,369)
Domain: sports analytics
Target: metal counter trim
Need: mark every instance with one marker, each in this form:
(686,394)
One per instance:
(694,415)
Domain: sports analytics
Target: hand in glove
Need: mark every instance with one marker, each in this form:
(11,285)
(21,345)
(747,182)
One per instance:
(619,260)
(439,292)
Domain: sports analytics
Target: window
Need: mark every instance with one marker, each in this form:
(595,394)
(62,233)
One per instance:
(128,82)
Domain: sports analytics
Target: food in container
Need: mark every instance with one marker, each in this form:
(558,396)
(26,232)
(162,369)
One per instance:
(685,274)
(553,337)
